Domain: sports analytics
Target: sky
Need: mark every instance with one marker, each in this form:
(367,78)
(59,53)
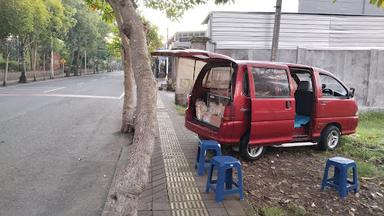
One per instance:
(192,19)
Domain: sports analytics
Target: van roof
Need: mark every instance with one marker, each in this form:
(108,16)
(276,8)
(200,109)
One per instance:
(244,62)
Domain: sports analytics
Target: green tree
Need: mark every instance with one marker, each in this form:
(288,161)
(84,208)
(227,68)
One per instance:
(378,3)
(40,23)
(61,20)
(86,37)
(114,45)
(16,18)
(152,35)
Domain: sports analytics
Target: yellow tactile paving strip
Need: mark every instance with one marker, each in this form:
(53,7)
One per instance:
(184,195)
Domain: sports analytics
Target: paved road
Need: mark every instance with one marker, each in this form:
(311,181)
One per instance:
(59,144)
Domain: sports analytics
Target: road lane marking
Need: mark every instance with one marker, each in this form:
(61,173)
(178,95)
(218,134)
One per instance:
(54,89)
(63,95)
(27,89)
(121,96)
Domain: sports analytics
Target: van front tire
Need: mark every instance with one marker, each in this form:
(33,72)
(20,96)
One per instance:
(330,138)
(250,153)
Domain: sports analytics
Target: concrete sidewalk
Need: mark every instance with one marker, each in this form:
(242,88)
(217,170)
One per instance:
(174,188)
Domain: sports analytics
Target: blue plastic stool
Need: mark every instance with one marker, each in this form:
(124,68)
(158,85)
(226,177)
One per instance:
(225,166)
(340,180)
(201,162)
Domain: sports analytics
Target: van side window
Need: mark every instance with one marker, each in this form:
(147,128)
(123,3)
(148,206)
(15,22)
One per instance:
(246,83)
(331,87)
(270,82)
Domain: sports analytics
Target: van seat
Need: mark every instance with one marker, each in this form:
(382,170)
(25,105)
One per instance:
(304,99)
(301,120)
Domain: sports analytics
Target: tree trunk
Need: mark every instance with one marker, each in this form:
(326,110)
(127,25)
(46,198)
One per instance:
(30,57)
(6,69)
(127,124)
(130,183)
(44,63)
(68,73)
(34,58)
(76,63)
(23,78)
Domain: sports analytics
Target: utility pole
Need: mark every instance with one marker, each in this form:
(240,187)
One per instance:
(276,30)
(167,59)
(85,62)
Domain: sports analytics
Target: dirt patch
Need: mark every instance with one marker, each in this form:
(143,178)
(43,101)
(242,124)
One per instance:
(287,177)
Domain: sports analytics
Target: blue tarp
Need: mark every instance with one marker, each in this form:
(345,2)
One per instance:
(301,120)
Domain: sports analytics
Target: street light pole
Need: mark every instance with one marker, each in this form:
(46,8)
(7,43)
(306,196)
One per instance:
(52,75)
(276,30)
(167,59)
(85,62)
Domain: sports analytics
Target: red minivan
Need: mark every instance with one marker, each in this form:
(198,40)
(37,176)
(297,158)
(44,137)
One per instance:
(255,104)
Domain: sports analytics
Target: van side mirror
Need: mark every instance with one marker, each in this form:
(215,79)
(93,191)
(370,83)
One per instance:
(323,86)
(351,92)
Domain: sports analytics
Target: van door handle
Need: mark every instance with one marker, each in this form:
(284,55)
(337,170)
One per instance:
(244,110)
(323,102)
(288,104)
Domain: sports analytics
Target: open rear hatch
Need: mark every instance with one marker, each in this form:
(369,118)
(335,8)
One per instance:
(201,55)
(213,88)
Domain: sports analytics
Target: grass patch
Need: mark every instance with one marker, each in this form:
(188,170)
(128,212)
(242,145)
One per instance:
(272,211)
(291,210)
(180,109)
(367,145)
(296,210)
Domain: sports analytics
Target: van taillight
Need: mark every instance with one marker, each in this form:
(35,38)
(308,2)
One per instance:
(188,100)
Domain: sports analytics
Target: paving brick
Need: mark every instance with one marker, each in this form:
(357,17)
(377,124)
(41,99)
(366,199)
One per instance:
(159,182)
(161,205)
(233,207)
(217,212)
(159,177)
(145,205)
(144,213)
(162,213)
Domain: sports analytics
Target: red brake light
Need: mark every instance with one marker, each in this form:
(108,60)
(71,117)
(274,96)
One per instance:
(188,100)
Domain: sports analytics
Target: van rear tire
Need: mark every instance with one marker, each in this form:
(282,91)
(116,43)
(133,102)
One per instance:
(250,153)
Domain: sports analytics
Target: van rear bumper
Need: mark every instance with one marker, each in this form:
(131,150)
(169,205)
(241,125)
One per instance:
(219,135)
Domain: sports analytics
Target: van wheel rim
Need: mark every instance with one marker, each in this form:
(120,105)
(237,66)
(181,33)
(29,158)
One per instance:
(333,139)
(255,151)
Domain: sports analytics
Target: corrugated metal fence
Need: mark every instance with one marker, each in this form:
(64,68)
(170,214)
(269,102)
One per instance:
(253,30)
